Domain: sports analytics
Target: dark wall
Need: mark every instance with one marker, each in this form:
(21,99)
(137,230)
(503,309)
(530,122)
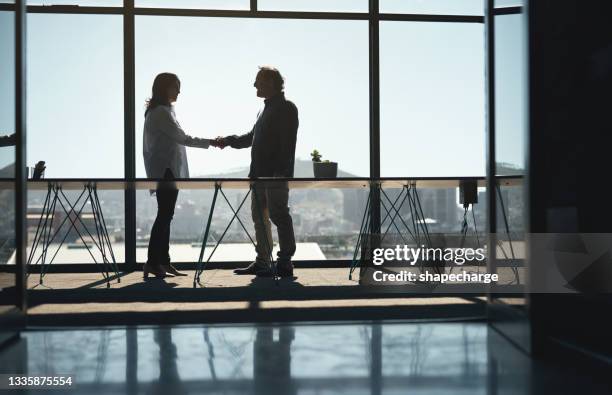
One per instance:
(570,155)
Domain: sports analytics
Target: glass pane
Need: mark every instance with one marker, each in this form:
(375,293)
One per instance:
(75,94)
(510,133)
(84,3)
(314,5)
(324,63)
(432,99)
(7,95)
(446,7)
(195,4)
(509,3)
(7,168)
(326,229)
(510,92)
(68,242)
(441,213)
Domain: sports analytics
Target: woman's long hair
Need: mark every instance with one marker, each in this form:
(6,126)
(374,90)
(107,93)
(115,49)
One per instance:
(159,92)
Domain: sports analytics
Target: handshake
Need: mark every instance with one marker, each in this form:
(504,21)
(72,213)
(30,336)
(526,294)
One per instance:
(219,142)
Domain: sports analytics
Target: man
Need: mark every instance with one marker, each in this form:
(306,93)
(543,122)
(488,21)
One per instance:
(272,142)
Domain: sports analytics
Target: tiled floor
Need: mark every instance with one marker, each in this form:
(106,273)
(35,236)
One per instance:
(356,358)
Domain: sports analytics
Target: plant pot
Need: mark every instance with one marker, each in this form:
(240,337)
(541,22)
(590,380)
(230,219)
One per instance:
(325,169)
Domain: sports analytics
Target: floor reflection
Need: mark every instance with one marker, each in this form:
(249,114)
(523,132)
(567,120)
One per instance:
(272,360)
(374,358)
(169,380)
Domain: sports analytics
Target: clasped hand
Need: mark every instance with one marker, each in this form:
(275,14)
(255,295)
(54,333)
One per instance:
(219,142)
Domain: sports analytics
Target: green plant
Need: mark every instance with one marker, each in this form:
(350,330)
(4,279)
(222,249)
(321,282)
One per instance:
(316,156)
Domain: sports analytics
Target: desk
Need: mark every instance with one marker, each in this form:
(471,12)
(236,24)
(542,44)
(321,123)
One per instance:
(243,183)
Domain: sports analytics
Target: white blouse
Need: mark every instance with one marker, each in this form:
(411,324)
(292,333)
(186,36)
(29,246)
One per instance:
(164,144)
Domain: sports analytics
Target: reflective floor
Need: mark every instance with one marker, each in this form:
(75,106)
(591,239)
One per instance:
(359,358)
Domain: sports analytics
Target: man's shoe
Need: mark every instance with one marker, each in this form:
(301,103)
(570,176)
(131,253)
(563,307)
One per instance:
(252,269)
(267,272)
(283,269)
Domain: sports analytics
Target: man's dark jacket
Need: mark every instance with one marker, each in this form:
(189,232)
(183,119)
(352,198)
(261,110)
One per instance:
(272,139)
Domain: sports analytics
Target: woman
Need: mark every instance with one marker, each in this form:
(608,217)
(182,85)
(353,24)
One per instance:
(165,157)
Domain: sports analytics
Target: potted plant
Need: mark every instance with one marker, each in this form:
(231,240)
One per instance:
(323,169)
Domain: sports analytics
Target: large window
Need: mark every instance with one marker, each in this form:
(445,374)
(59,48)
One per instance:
(431,105)
(75,94)
(325,65)
(76,119)
(432,99)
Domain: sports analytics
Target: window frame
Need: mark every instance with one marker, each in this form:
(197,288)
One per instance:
(373,16)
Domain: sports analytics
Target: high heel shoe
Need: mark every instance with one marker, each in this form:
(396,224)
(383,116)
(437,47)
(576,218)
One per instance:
(172,270)
(156,270)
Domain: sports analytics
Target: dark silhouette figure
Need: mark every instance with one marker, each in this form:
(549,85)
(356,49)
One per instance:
(169,379)
(165,158)
(272,361)
(272,140)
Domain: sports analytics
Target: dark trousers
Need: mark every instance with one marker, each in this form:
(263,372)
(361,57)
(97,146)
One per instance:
(159,242)
(271,203)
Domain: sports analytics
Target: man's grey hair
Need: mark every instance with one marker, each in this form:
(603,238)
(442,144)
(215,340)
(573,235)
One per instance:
(274,75)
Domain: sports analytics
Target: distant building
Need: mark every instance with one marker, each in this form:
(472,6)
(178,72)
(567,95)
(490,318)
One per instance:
(354,201)
(440,206)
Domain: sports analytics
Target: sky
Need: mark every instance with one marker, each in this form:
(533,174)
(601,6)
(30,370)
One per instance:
(432,87)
